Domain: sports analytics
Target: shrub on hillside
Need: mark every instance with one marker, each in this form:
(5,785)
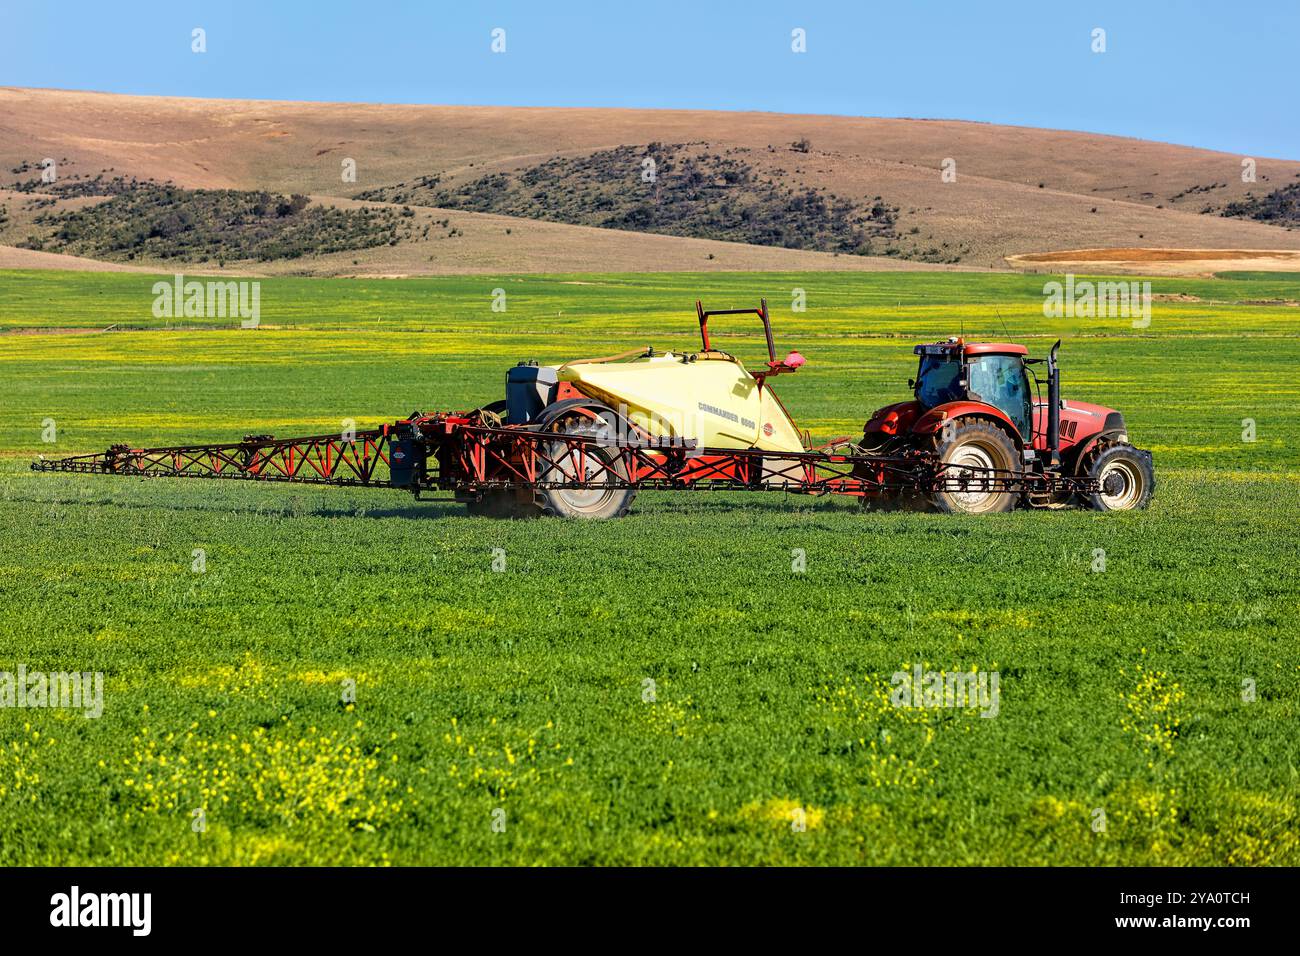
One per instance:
(196,225)
(673,189)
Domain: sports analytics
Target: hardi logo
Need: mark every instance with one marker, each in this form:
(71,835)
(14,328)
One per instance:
(102,909)
(767,429)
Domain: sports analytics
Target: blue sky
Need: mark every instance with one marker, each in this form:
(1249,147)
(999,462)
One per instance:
(1218,75)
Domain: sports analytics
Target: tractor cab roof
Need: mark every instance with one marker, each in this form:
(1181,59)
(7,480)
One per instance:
(971,348)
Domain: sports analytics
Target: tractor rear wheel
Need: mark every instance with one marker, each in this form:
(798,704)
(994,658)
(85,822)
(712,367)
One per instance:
(606,497)
(1127,479)
(970,448)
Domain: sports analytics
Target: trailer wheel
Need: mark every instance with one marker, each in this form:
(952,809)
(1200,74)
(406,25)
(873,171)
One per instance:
(501,503)
(498,410)
(605,498)
(895,501)
(969,447)
(1127,476)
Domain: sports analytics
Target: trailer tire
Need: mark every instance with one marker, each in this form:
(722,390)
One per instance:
(597,502)
(896,501)
(501,503)
(977,444)
(498,410)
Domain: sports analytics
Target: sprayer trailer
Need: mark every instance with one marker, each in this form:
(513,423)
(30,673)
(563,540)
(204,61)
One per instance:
(582,438)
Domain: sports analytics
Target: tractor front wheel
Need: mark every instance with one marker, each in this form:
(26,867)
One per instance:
(978,455)
(1128,479)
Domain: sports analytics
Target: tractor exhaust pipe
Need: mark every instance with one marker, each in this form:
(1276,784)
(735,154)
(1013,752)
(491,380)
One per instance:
(1054,405)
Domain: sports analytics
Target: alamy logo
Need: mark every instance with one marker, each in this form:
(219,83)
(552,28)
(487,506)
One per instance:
(933,689)
(193,299)
(74,691)
(1098,300)
(103,909)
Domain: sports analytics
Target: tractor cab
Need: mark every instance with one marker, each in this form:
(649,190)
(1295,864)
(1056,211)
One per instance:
(994,374)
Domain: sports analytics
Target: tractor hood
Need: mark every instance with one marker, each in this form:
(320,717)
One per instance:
(1080,421)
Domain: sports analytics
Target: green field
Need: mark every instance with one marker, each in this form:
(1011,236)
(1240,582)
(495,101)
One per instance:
(525,690)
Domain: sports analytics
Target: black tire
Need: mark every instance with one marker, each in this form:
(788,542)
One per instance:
(979,445)
(895,501)
(500,408)
(502,503)
(1127,475)
(606,499)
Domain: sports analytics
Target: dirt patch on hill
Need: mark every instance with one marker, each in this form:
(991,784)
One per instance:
(1151,255)
(1160,261)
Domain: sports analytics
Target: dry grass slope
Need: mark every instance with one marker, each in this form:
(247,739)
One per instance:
(1017,191)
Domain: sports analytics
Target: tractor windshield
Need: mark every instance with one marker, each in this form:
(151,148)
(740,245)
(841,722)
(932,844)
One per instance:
(938,381)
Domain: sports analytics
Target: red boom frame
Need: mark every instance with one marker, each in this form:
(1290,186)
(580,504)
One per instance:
(461,453)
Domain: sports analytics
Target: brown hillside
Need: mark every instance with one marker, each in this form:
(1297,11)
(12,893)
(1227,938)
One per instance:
(1018,190)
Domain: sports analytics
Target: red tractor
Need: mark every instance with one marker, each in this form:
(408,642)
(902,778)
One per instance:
(975,410)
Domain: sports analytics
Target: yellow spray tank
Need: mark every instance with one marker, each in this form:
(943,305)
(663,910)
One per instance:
(707,396)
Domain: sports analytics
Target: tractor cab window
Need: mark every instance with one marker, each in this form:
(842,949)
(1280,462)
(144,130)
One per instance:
(939,380)
(1000,381)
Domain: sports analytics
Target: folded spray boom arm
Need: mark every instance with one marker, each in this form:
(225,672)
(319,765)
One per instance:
(789,364)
